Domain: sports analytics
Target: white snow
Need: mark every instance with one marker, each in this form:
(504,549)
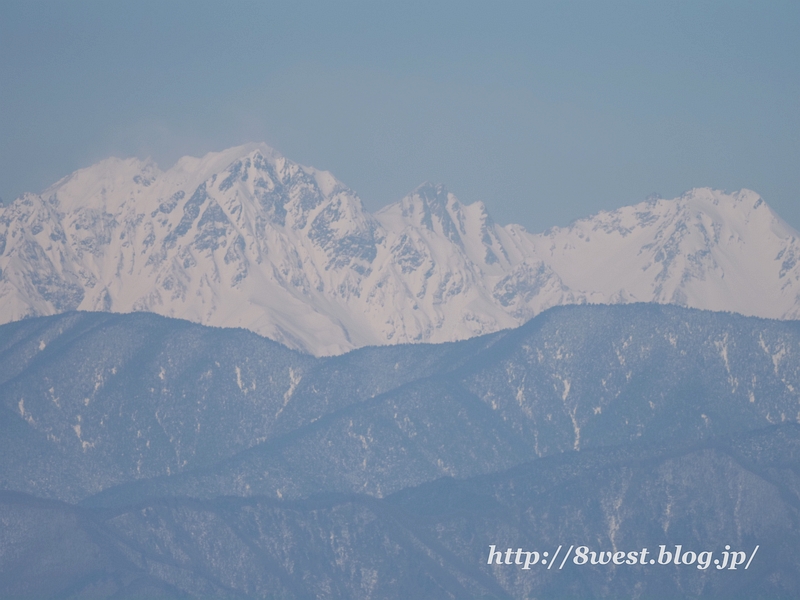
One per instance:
(246,238)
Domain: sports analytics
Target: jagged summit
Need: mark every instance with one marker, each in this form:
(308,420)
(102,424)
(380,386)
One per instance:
(706,249)
(247,238)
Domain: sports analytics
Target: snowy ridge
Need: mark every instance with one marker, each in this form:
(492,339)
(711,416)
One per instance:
(247,238)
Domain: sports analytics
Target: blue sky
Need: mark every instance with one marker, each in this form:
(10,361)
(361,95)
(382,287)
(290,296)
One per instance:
(546,111)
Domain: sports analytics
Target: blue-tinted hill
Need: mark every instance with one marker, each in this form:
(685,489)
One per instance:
(145,456)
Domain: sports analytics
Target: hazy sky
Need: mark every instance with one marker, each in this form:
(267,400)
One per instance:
(546,111)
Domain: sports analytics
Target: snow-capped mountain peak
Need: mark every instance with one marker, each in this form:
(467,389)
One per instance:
(248,238)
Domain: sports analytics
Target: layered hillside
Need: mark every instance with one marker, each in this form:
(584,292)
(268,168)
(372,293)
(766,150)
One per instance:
(151,457)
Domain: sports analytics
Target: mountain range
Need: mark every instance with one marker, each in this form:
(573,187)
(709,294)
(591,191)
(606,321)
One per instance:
(152,457)
(230,380)
(246,238)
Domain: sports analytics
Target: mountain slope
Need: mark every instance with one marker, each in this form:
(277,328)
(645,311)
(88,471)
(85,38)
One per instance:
(246,238)
(93,401)
(145,456)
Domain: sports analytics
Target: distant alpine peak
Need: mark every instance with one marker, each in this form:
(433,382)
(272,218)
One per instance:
(720,205)
(715,204)
(431,207)
(247,238)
